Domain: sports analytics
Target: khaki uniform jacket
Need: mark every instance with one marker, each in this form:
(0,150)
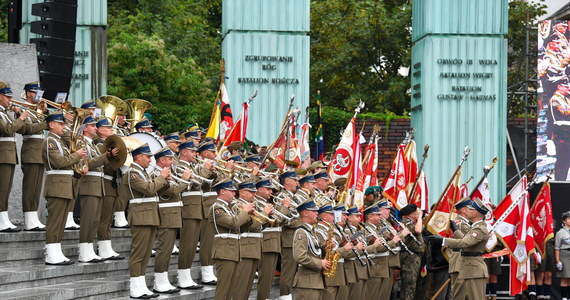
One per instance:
(192,196)
(8,129)
(289,229)
(170,204)
(307,253)
(108,172)
(380,255)
(463,226)
(32,141)
(91,184)
(474,241)
(271,241)
(226,226)
(250,234)
(339,279)
(353,270)
(57,161)
(140,189)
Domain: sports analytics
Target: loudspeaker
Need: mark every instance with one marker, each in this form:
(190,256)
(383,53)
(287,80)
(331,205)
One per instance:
(55,11)
(53,28)
(54,83)
(55,64)
(54,46)
(14,20)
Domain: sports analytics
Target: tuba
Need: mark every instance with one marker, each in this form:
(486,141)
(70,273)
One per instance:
(77,142)
(112,107)
(137,107)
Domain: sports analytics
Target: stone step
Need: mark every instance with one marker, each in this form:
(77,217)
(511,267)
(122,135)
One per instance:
(33,239)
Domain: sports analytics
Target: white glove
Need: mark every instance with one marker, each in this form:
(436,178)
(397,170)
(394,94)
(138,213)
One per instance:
(550,148)
(559,266)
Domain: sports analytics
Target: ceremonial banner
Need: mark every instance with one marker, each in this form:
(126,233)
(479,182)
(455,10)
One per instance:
(221,121)
(541,218)
(357,176)
(519,276)
(396,183)
(237,134)
(439,223)
(305,150)
(515,231)
(553,123)
(343,158)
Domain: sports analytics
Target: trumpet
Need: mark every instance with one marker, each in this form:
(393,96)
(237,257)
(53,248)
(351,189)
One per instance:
(258,216)
(195,177)
(221,161)
(222,169)
(293,206)
(176,178)
(260,204)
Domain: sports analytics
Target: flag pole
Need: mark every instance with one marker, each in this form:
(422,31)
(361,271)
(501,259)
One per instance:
(541,189)
(466,152)
(486,170)
(283,127)
(349,178)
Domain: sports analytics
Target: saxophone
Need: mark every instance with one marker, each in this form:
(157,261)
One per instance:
(330,253)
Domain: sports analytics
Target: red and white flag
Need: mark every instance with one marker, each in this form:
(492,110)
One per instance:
(370,166)
(237,133)
(439,223)
(541,218)
(304,146)
(463,190)
(341,164)
(411,165)
(519,276)
(396,183)
(357,176)
(226,118)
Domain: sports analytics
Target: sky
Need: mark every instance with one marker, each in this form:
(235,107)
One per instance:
(553,6)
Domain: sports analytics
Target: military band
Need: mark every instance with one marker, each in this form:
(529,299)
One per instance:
(184,189)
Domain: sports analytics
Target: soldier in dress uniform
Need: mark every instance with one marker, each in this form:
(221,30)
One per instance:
(170,212)
(140,189)
(226,224)
(317,167)
(192,136)
(378,285)
(173,141)
(271,243)
(371,194)
(249,241)
(109,200)
(32,164)
(289,181)
(308,281)
(473,272)
(8,156)
(192,215)
(322,181)
(91,192)
(143,125)
(350,257)
(463,225)
(410,269)
(325,224)
(58,186)
(361,272)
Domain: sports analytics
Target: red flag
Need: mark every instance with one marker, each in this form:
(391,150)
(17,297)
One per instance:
(420,196)
(541,218)
(280,147)
(226,118)
(515,230)
(397,181)
(439,223)
(411,165)
(519,276)
(463,190)
(343,158)
(357,176)
(370,166)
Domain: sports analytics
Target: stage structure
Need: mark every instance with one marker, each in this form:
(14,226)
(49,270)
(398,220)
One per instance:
(89,75)
(266,48)
(459,79)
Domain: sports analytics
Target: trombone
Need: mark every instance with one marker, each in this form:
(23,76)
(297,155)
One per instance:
(257,215)
(195,177)
(260,204)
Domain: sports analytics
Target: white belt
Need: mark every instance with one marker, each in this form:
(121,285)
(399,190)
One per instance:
(272,229)
(143,200)
(251,234)
(8,139)
(341,260)
(59,172)
(193,193)
(397,249)
(227,236)
(208,194)
(95,174)
(382,254)
(170,204)
(108,177)
(361,257)
(33,136)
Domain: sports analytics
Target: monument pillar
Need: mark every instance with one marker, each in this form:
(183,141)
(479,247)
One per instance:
(266,48)
(458,93)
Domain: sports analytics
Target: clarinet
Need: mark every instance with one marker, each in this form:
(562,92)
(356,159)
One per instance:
(362,262)
(402,225)
(368,258)
(382,240)
(393,231)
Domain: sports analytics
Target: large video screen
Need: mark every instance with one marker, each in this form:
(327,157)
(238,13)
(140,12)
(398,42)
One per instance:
(553,122)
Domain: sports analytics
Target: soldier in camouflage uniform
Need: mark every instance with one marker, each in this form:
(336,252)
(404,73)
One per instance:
(410,268)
